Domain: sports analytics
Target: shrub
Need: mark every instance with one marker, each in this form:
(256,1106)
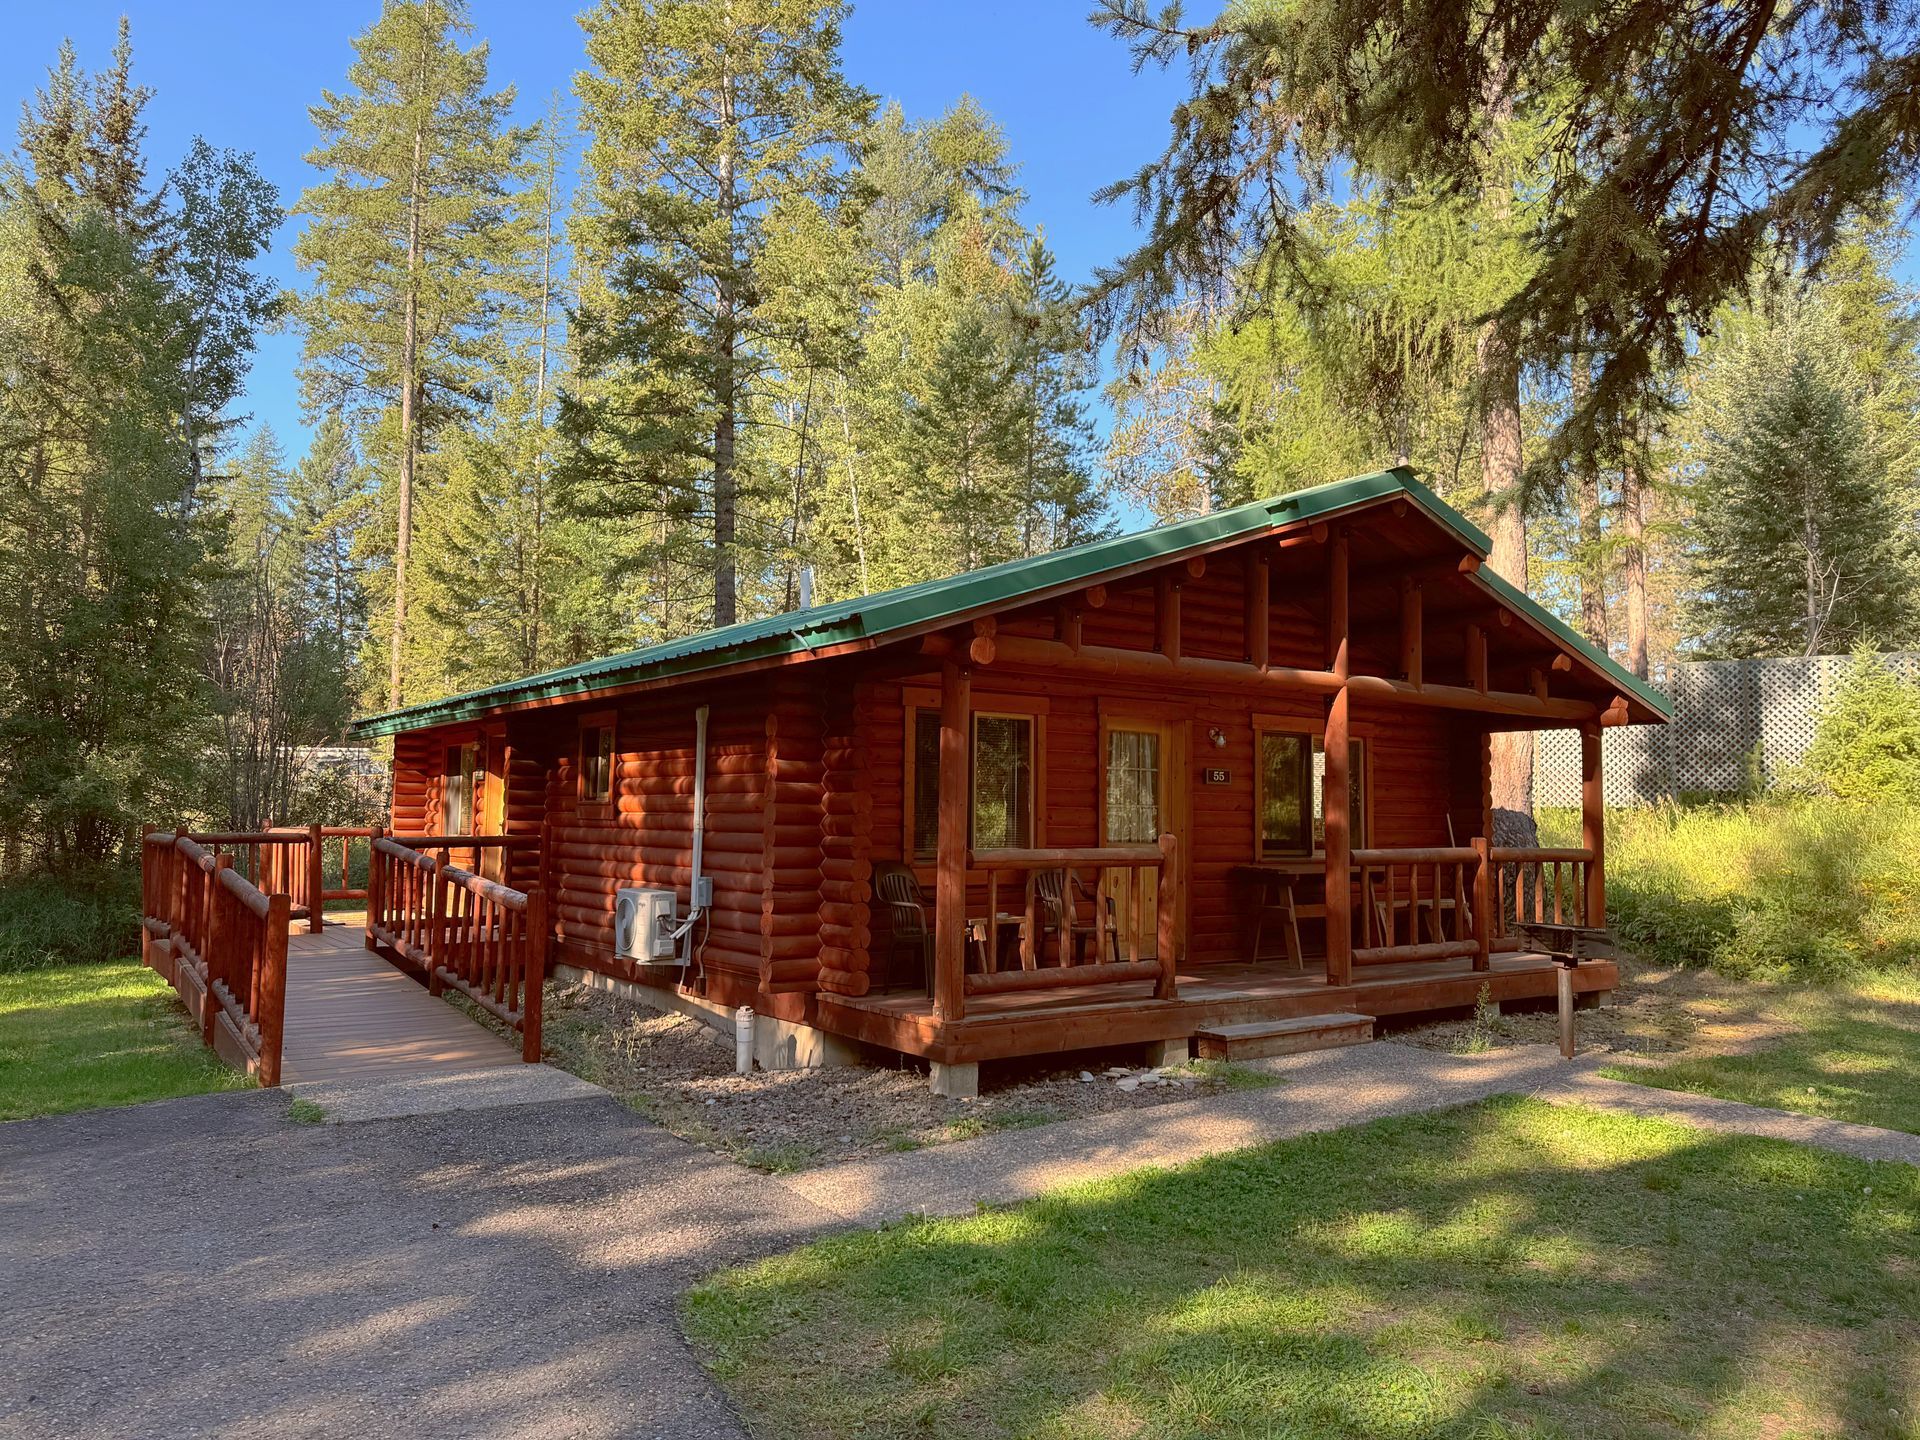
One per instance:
(1810,888)
(1868,744)
(55,920)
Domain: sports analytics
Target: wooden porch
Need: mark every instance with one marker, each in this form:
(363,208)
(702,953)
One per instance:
(1076,1016)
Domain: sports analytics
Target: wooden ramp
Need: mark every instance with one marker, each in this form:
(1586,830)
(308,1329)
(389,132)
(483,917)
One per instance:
(352,1016)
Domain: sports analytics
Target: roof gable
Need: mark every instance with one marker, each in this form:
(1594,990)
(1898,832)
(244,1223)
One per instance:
(911,608)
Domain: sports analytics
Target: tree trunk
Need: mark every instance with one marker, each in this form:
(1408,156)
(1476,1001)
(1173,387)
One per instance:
(1589,566)
(726,605)
(1500,486)
(1633,565)
(409,420)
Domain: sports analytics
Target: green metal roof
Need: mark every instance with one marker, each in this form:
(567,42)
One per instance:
(872,617)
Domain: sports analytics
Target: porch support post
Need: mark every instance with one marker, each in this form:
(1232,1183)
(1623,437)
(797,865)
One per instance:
(1412,646)
(1167,616)
(1593,823)
(950,856)
(1337,791)
(1259,602)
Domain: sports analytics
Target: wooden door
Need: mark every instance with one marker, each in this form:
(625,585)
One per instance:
(1141,798)
(491,811)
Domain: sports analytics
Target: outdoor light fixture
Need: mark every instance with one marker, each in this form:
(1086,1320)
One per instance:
(1218,737)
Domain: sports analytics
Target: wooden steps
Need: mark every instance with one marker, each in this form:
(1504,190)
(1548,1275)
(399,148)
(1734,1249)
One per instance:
(1258,1039)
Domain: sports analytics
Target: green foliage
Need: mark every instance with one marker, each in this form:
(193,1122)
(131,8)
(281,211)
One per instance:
(74,1037)
(1803,539)
(1809,889)
(1502,1269)
(76,918)
(1867,747)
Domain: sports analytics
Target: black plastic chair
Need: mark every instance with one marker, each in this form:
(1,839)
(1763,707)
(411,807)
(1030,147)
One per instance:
(906,906)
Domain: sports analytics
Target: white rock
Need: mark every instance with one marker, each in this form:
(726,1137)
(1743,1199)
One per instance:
(1085,1076)
(1118,1070)
(1132,1082)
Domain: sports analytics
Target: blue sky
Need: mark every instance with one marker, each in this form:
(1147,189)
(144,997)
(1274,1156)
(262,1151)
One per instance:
(243,75)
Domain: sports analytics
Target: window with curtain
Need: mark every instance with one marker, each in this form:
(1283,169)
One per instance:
(456,811)
(1003,782)
(1293,772)
(1133,787)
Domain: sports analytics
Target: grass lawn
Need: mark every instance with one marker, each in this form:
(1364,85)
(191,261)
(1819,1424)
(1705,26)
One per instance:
(1505,1269)
(1849,1052)
(73,1037)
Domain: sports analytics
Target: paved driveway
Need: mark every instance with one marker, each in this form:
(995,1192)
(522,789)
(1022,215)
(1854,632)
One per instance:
(206,1267)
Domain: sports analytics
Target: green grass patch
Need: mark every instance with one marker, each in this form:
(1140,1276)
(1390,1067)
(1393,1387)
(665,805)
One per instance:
(301,1111)
(1228,1075)
(1854,1055)
(1504,1269)
(73,1037)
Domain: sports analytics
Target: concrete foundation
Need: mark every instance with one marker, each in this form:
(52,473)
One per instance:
(1168,1052)
(777,1044)
(956,1082)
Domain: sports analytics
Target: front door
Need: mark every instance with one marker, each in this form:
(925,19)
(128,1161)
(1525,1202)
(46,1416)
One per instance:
(1140,801)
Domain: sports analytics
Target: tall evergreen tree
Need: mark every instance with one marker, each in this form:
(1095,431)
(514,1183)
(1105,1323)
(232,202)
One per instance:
(705,117)
(417,248)
(1804,539)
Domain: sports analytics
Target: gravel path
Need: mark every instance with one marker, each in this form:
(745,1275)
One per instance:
(208,1267)
(1325,1090)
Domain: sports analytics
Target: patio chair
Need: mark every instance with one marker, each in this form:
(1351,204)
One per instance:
(906,906)
(1056,906)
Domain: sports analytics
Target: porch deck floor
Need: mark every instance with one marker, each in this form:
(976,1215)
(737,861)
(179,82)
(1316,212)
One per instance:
(352,1016)
(1031,1022)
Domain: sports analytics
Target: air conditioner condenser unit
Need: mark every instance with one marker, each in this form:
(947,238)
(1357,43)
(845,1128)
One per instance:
(643,924)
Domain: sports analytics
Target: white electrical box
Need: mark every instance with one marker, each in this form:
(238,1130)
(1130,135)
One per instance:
(643,923)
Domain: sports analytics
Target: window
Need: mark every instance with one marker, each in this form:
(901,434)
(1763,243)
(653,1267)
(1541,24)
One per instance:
(456,811)
(1292,812)
(596,761)
(1005,748)
(1002,782)
(1133,787)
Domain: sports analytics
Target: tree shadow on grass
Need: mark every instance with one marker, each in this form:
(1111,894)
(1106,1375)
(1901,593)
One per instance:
(1507,1268)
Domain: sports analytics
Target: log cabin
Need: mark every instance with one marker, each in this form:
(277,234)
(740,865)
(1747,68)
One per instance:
(1224,779)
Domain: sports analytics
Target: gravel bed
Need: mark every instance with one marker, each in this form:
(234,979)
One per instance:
(680,1073)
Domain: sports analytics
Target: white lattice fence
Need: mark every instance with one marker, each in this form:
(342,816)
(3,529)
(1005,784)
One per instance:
(1723,710)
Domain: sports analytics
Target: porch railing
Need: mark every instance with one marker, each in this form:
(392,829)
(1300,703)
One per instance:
(1538,886)
(477,936)
(1427,896)
(1109,910)
(221,942)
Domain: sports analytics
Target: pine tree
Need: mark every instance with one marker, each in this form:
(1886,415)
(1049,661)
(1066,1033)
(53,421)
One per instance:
(416,244)
(705,117)
(1803,538)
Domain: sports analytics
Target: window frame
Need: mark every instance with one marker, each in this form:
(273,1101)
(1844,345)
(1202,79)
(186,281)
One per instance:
(1312,730)
(918,699)
(592,724)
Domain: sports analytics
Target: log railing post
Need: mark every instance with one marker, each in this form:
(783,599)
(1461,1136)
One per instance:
(1167,919)
(316,880)
(376,890)
(213,943)
(1336,787)
(1483,902)
(1593,825)
(950,863)
(270,1014)
(436,940)
(534,979)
